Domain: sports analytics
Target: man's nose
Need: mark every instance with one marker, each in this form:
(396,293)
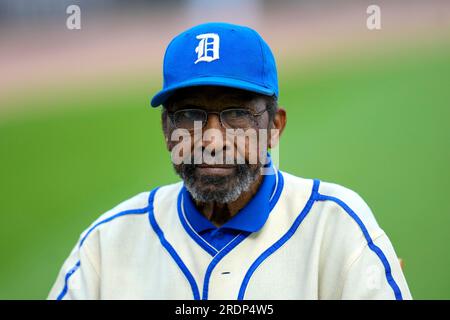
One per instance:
(215,133)
(213,122)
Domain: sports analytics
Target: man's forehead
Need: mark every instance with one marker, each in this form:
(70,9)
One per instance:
(212,93)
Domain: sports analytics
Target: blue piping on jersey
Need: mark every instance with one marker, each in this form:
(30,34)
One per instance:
(77,265)
(169,248)
(123,213)
(194,235)
(278,190)
(372,246)
(237,240)
(219,257)
(281,241)
(66,280)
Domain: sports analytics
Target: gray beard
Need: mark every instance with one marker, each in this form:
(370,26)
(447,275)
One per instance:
(219,189)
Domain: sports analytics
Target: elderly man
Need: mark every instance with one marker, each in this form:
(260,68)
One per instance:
(236,227)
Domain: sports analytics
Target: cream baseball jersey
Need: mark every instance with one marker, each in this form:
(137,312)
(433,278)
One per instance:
(318,241)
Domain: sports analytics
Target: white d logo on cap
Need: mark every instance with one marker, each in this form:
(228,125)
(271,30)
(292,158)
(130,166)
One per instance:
(208,47)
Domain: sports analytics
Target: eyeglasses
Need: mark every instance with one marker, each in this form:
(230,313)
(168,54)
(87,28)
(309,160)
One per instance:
(229,118)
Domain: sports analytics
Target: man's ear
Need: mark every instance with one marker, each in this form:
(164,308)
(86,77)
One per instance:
(166,138)
(277,127)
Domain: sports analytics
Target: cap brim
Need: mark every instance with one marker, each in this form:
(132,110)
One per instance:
(163,95)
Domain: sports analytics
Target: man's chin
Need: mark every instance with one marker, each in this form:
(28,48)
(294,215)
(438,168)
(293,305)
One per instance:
(215,187)
(222,184)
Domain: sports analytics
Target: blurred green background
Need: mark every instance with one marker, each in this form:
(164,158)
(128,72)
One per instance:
(377,123)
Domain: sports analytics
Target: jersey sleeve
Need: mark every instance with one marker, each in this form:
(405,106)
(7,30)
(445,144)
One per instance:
(78,278)
(376,274)
(362,255)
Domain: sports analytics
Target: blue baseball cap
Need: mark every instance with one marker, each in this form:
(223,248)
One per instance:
(218,54)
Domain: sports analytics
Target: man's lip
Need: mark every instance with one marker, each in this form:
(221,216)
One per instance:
(215,170)
(214,166)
